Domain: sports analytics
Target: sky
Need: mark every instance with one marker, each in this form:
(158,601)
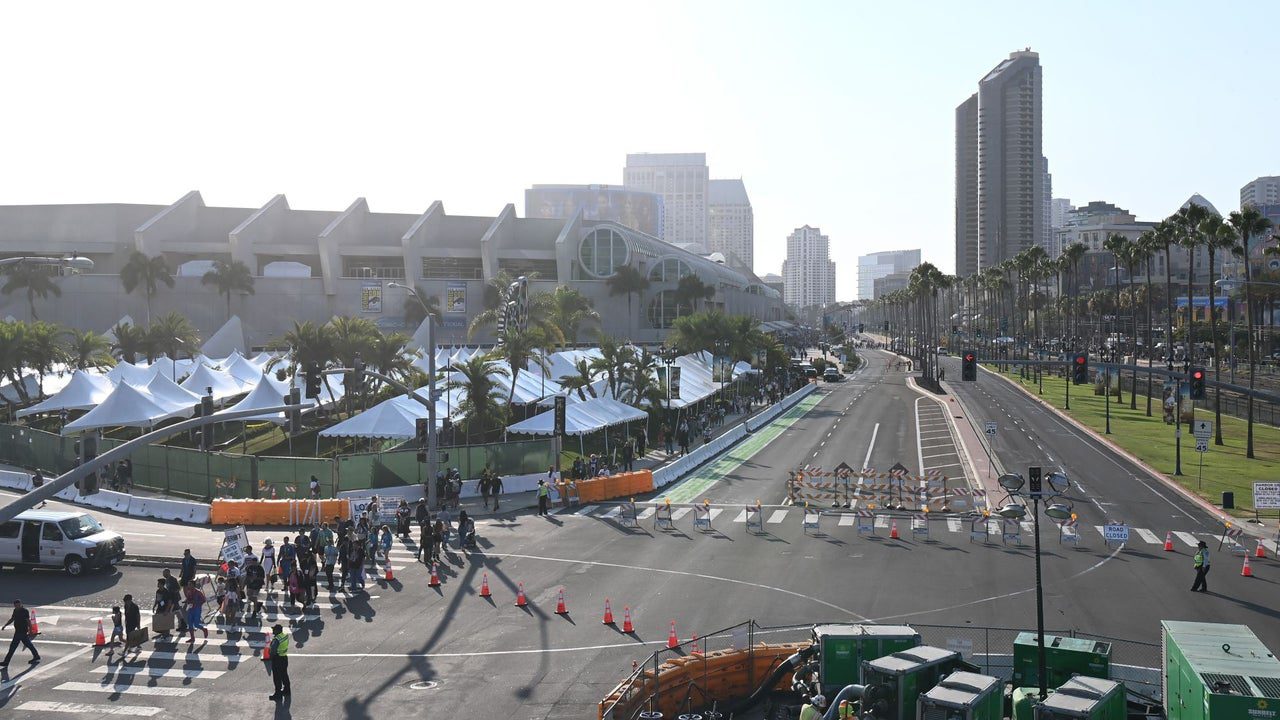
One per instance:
(838,115)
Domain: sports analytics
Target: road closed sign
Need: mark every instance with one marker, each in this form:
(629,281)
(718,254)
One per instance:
(1266,495)
(1116,532)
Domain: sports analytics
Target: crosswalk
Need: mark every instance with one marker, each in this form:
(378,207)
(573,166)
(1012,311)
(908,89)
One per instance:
(992,527)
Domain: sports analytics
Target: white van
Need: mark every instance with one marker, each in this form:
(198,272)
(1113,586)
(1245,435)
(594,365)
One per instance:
(73,541)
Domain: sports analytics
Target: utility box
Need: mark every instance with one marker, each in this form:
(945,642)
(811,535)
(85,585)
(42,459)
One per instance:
(963,696)
(1215,671)
(1087,698)
(1064,658)
(843,649)
(897,681)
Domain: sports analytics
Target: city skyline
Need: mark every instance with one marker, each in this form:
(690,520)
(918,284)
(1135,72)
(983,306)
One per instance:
(241,126)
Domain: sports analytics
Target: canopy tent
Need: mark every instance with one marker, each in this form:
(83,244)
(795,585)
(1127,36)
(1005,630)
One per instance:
(131,373)
(395,419)
(168,394)
(126,406)
(223,384)
(228,338)
(599,388)
(530,386)
(243,370)
(581,418)
(266,393)
(83,392)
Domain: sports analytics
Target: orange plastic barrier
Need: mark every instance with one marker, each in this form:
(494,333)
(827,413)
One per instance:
(276,512)
(617,486)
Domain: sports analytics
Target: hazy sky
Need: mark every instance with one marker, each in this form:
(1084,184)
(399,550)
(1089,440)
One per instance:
(837,115)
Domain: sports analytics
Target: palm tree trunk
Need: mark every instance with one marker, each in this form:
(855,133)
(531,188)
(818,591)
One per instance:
(1168,301)
(1150,358)
(1133,313)
(1253,361)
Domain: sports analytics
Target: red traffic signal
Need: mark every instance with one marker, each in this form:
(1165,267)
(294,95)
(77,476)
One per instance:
(968,357)
(1197,375)
(1080,360)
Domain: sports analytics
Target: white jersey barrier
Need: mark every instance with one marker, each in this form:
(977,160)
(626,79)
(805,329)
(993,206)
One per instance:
(764,418)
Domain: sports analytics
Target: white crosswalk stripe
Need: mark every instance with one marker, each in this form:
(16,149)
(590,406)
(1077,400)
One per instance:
(1186,537)
(614,512)
(156,672)
(882,521)
(86,709)
(847,519)
(1149,536)
(646,513)
(1270,545)
(741,517)
(777,517)
(1028,527)
(122,688)
(680,512)
(586,510)
(715,513)
(191,657)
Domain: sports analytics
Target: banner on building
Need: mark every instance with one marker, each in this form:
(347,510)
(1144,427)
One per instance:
(371,296)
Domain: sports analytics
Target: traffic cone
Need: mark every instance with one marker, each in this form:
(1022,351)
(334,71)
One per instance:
(266,652)
(35,626)
(893,532)
(435,577)
(1246,571)
(1260,552)
(520,598)
(484,586)
(560,608)
(672,640)
(1168,541)
(100,639)
(390,575)
(608,613)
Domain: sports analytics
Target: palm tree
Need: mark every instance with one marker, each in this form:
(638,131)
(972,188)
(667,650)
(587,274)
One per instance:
(481,404)
(498,292)
(1146,247)
(131,341)
(1072,254)
(520,348)
(690,290)
(351,337)
(1218,235)
(172,332)
(87,349)
(568,309)
(641,385)
(697,332)
(12,361)
(626,280)
(416,309)
(1188,220)
(1249,224)
(229,278)
(387,353)
(612,361)
(37,280)
(1165,235)
(146,273)
(581,382)
(41,349)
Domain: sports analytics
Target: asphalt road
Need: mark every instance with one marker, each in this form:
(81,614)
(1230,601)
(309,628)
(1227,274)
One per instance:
(360,656)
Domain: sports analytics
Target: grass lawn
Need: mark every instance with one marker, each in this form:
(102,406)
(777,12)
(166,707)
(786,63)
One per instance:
(1149,438)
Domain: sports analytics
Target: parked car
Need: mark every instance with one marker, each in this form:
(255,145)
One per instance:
(73,541)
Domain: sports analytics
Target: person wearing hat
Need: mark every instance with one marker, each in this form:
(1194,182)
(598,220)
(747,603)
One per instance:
(1201,563)
(279,662)
(812,710)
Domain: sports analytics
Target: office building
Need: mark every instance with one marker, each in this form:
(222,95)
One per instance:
(1046,210)
(731,228)
(890,283)
(809,273)
(878,265)
(682,180)
(1058,209)
(1261,191)
(635,209)
(1011,170)
(774,281)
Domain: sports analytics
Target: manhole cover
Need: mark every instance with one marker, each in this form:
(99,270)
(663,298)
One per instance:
(424,685)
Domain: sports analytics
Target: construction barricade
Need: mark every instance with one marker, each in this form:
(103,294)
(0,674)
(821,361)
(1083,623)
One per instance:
(978,529)
(755,518)
(568,492)
(1011,530)
(920,525)
(866,522)
(702,517)
(811,519)
(276,512)
(627,516)
(662,517)
(1067,533)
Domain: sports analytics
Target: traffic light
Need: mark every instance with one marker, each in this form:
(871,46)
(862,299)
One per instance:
(1197,383)
(88,485)
(421,431)
(969,366)
(206,431)
(312,376)
(295,416)
(1035,480)
(1080,369)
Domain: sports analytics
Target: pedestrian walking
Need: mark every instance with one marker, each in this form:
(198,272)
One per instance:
(484,487)
(315,488)
(117,625)
(422,515)
(269,563)
(640,442)
(1201,564)
(254,578)
(21,622)
(188,571)
(628,457)
(403,515)
(544,496)
(195,612)
(279,663)
(330,559)
(495,489)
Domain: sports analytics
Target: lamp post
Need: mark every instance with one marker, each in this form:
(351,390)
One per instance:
(433,461)
(1056,509)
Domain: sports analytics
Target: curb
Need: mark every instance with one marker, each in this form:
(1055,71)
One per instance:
(1177,487)
(975,480)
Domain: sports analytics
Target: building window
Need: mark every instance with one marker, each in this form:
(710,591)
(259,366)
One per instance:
(602,251)
(663,310)
(670,270)
(385,268)
(450,268)
(544,269)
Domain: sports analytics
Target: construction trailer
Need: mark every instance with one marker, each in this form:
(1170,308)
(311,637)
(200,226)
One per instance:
(1065,657)
(894,683)
(963,696)
(1215,671)
(843,648)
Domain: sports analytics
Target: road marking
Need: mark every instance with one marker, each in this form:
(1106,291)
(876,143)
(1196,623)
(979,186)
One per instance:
(866,461)
(156,672)
(741,517)
(617,510)
(84,708)
(882,521)
(679,513)
(1187,538)
(125,689)
(715,513)
(646,513)
(1149,536)
(190,657)
(777,516)
(586,510)
(919,452)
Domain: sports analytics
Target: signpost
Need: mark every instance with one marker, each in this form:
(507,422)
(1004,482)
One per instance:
(1203,430)
(1266,496)
(991,428)
(1115,532)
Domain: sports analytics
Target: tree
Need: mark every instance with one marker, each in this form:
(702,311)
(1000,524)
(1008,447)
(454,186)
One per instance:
(626,280)
(581,382)
(640,386)
(481,404)
(1249,223)
(697,332)
(414,312)
(568,309)
(37,280)
(387,353)
(12,361)
(1146,247)
(612,361)
(1218,235)
(229,278)
(172,333)
(1121,248)
(1165,235)
(498,292)
(1072,254)
(42,349)
(1187,220)
(131,341)
(87,350)
(520,348)
(146,273)
(690,291)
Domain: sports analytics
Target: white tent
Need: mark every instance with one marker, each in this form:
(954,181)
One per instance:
(228,339)
(125,406)
(395,418)
(83,392)
(267,393)
(111,336)
(581,418)
(168,394)
(243,370)
(130,373)
(223,384)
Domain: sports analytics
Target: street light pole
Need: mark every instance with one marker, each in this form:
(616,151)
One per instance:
(1040,651)
(433,456)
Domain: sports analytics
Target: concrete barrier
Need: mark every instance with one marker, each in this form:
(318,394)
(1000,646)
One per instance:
(14,480)
(470,488)
(107,500)
(666,475)
(768,416)
(190,512)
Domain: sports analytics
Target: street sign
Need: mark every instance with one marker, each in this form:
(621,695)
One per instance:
(899,469)
(1266,495)
(843,468)
(1116,532)
(991,428)
(1202,429)
(1202,446)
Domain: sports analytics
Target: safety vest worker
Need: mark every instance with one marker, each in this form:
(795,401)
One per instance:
(845,710)
(279,663)
(544,496)
(812,710)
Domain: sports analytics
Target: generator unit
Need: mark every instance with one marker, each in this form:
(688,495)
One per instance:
(843,648)
(963,696)
(894,683)
(1084,698)
(1064,658)
(1216,671)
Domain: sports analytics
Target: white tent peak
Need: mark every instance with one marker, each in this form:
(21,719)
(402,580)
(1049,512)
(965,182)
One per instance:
(228,339)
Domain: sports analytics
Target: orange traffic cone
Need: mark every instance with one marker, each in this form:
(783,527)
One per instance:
(435,577)
(520,598)
(484,586)
(627,627)
(35,626)
(608,613)
(266,652)
(1246,571)
(893,532)
(1168,541)
(672,640)
(99,640)
(390,575)
(1260,552)
(560,608)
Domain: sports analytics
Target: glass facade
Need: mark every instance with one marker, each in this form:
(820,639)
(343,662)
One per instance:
(602,251)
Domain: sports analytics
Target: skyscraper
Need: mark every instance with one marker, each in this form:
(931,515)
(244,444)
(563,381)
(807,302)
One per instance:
(633,208)
(877,265)
(1011,169)
(681,179)
(732,223)
(808,273)
(1261,191)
